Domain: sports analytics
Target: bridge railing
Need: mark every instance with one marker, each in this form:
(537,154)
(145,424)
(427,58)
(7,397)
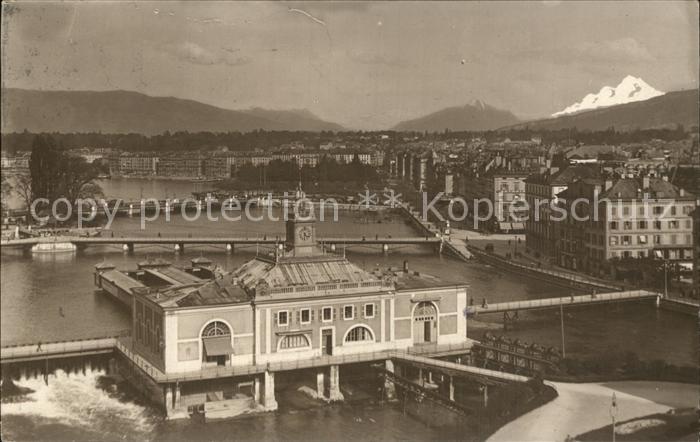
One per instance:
(570,300)
(45,349)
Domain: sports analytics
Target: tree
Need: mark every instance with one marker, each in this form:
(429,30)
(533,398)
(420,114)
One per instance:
(43,168)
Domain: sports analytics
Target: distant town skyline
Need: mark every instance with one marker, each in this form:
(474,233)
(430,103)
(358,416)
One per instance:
(363,65)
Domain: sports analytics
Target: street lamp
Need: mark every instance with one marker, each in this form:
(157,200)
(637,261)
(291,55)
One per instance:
(613,414)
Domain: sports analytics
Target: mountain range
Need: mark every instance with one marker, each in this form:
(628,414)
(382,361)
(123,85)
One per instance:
(133,112)
(668,110)
(629,90)
(474,116)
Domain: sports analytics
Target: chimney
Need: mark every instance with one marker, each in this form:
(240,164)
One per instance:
(608,184)
(645,182)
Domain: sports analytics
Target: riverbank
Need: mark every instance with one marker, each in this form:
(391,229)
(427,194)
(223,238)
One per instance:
(580,408)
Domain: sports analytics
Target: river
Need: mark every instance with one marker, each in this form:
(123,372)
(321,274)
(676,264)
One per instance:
(52,297)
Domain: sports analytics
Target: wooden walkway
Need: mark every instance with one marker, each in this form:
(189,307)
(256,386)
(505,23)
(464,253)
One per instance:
(566,301)
(59,349)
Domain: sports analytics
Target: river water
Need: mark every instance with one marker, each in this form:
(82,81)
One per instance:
(52,297)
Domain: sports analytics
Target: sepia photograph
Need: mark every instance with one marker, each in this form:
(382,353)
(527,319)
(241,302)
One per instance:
(350,221)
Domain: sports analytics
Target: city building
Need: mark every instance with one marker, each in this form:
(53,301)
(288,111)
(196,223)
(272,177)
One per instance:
(137,164)
(214,346)
(627,218)
(696,251)
(182,166)
(541,190)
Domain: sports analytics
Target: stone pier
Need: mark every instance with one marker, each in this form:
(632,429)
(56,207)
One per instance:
(269,401)
(389,387)
(334,393)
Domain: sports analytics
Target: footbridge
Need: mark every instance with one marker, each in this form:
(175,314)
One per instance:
(566,301)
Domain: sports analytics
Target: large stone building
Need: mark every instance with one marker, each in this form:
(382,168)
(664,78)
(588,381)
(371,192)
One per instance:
(209,345)
(696,252)
(541,191)
(627,218)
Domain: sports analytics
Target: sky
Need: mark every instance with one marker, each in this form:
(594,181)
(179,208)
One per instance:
(362,65)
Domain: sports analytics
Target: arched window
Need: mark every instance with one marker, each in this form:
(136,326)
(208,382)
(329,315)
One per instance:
(216,328)
(359,334)
(294,341)
(425,311)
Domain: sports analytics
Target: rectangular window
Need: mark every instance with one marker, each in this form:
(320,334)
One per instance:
(673,239)
(305,316)
(673,210)
(658,210)
(283,318)
(628,225)
(613,240)
(613,225)
(625,211)
(369,310)
(657,239)
(673,224)
(327,314)
(642,225)
(626,240)
(348,312)
(642,239)
(657,225)
(640,254)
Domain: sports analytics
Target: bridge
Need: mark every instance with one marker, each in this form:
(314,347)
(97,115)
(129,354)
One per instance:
(40,351)
(566,301)
(130,241)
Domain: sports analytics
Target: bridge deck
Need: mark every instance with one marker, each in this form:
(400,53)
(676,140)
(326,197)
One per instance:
(54,350)
(547,303)
(455,369)
(26,242)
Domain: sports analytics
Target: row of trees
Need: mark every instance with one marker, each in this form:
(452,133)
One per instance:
(183,140)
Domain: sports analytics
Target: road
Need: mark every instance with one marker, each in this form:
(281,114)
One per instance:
(583,407)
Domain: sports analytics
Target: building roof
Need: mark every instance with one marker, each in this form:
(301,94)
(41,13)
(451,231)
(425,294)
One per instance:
(300,271)
(632,188)
(563,177)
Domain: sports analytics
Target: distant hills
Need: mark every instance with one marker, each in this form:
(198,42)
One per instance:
(132,112)
(667,110)
(471,117)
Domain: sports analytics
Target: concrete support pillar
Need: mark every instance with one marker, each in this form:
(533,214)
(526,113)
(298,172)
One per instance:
(320,383)
(177,396)
(452,388)
(389,387)
(420,376)
(256,389)
(430,377)
(269,401)
(334,393)
(485,389)
(168,398)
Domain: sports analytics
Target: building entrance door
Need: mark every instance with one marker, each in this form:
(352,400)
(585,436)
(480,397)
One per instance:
(327,339)
(425,323)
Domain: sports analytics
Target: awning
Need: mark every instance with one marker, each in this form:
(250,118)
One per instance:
(218,346)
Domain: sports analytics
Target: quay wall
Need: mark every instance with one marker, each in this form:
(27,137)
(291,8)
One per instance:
(580,283)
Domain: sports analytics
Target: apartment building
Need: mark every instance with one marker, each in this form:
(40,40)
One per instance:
(626,218)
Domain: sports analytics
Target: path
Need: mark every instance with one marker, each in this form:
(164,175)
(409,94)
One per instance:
(584,407)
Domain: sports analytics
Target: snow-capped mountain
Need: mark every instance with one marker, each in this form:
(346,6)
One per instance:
(629,90)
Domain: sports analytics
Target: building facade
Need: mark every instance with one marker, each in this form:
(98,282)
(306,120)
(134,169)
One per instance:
(297,304)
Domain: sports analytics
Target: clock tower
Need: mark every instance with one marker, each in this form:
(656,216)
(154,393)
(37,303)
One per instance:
(301,235)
